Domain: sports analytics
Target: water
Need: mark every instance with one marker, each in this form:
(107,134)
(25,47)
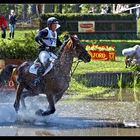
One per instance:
(72,118)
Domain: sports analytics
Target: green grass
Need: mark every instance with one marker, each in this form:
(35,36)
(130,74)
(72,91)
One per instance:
(102,66)
(20,34)
(80,90)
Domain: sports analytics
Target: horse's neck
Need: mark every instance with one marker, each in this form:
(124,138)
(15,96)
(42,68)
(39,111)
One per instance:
(66,60)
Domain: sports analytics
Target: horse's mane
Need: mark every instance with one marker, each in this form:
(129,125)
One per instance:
(58,62)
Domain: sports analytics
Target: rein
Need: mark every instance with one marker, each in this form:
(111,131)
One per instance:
(72,71)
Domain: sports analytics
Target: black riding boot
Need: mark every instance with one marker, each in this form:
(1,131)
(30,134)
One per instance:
(39,78)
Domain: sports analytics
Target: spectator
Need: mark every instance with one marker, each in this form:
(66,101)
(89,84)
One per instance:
(12,23)
(3,26)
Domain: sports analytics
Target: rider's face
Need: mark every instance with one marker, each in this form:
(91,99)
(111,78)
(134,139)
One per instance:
(54,27)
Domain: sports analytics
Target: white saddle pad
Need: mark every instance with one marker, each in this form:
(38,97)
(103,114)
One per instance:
(33,69)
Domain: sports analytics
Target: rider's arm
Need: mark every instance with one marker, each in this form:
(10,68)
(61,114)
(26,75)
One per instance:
(58,43)
(40,36)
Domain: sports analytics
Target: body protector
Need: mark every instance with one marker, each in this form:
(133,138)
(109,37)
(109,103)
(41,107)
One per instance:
(50,40)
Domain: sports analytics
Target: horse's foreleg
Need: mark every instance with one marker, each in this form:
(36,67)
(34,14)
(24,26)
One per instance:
(23,96)
(58,97)
(51,107)
(20,88)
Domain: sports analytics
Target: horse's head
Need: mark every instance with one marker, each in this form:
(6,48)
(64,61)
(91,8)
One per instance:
(79,51)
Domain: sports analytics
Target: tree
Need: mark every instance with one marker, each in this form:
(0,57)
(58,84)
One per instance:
(60,8)
(24,11)
(39,9)
(77,8)
(33,9)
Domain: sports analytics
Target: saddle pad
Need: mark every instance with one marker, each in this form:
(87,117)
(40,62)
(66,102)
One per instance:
(33,69)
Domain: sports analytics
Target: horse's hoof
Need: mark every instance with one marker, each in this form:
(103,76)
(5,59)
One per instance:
(39,112)
(16,107)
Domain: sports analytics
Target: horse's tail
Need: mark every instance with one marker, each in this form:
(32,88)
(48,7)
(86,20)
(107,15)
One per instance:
(7,73)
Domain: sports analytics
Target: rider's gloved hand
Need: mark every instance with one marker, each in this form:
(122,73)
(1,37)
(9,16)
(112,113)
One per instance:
(47,48)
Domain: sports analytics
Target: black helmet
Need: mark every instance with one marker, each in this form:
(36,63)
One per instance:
(52,20)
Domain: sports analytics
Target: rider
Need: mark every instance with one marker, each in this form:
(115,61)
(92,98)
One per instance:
(49,41)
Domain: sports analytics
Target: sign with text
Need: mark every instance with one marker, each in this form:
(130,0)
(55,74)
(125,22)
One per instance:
(102,55)
(86,26)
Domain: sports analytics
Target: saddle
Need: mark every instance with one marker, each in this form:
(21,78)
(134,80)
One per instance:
(49,63)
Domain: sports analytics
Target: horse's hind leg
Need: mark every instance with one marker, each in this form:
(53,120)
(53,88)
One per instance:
(20,88)
(51,107)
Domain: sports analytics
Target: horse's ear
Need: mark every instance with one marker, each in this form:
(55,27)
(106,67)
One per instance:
(73,36)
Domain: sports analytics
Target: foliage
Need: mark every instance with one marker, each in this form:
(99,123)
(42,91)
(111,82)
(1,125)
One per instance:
(85,8)
(9,49)
(68,8)
(135,67)
(12,49)
(70,23)
(100,47)
(63,36)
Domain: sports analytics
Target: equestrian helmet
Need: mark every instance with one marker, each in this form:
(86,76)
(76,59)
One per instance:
(52,20)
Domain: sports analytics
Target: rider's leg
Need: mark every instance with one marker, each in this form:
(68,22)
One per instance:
(43,58)
(39,78)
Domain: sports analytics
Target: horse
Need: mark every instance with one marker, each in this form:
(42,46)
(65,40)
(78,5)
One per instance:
(55,82)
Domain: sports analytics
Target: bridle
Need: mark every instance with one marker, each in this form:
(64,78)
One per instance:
(77,62)
(72,71)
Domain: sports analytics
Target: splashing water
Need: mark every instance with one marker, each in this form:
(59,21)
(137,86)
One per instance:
(9,115)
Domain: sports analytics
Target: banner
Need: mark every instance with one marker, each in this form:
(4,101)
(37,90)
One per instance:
(86,26)
(102,55)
